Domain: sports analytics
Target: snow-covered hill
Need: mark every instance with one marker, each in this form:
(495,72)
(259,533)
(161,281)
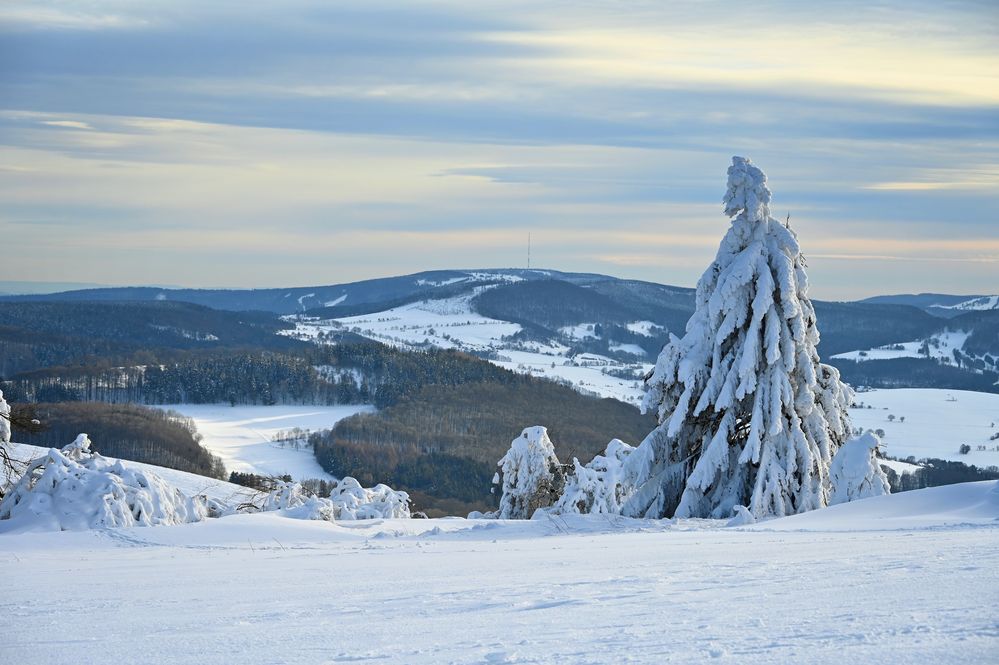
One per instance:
(901,579)
(453,323)
(974,304)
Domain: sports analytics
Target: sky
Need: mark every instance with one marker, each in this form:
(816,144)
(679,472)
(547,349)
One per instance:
(251,144)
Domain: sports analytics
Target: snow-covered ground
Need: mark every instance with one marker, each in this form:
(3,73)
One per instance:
(911,578)
(937,422)
(243,435)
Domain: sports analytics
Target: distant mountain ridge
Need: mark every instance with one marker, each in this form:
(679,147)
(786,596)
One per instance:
(301,298)
(939,304)
(886,337)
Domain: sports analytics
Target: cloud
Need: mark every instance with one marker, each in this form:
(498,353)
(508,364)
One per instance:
(378,138)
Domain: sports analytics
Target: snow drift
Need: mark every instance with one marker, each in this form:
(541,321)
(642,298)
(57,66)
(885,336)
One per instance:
(75,489)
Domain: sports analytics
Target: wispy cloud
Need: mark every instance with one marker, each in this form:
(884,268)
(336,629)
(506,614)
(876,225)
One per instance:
(309,141)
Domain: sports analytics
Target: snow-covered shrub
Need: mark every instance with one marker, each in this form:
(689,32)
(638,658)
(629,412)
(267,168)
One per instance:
(600,486)
(353,502)
(748,415)
(347,501)
(530,475)
(74,489)
(284,495)
(856,472)
(4,421)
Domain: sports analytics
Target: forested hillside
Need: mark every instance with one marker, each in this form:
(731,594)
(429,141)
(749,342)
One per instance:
(129,432)
(36,335)
(445,440)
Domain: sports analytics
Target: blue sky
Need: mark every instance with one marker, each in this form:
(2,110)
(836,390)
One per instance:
(296,143)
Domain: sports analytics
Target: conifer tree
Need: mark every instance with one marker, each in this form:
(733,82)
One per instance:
(748,415)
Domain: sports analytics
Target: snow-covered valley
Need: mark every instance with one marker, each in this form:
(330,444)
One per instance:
(244,436)
(904,579)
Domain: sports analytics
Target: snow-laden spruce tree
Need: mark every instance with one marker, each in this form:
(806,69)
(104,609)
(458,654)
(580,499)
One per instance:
(748,415)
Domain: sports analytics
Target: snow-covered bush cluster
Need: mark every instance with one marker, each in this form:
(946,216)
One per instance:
(529,475)
(75,489)
(347,501)
(600,486)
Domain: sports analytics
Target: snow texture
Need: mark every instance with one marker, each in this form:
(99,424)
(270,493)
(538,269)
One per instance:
(904,579)
(530,475)
(74,489)
(748,415)
(856,471)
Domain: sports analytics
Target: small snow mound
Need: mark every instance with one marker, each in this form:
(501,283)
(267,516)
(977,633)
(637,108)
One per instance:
(742,517)
(856,471)
(74,489)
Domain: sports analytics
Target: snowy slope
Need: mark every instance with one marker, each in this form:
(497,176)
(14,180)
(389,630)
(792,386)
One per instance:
(189,483)
(975,304)
(936,423)
(975,504)
(903,586)
(940,347)
(452,323)
(243,435)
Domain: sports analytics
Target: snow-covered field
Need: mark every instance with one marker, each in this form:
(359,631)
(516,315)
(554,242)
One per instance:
(936,422)
(911,578)
(940,347)
(243,435)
